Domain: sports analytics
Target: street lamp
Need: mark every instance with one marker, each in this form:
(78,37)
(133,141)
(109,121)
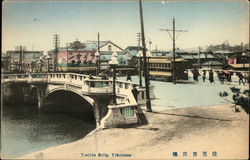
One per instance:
(97,55)
(16,65)
(244,59)
(32,64)
(148,55)
(139,55)
(113,63)
(48,58)
(41,61)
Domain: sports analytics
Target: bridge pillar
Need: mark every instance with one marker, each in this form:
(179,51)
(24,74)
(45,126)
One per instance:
(100,107)
(41,91)
(26,92)
(97,113)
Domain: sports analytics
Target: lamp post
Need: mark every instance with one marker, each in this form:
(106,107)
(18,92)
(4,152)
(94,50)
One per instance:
(244,59)
(139,55)
(113,63)
(41,65)
(97,55)
(48,58)
(32,64)
(148,54)
(16,65)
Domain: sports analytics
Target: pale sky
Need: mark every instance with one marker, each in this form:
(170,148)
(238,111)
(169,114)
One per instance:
(32,24)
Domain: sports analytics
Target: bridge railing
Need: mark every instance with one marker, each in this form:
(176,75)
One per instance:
(83,82)
(98,86)
(37,77)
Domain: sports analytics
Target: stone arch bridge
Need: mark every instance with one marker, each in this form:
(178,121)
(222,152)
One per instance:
(96,92)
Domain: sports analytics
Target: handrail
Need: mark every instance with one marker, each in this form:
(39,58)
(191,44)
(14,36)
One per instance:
(66,77)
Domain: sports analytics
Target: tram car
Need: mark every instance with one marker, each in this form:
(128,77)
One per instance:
(161,68)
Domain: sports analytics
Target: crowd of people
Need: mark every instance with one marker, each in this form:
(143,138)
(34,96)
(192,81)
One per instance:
(222,76)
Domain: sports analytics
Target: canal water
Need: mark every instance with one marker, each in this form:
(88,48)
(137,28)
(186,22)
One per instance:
(24,129)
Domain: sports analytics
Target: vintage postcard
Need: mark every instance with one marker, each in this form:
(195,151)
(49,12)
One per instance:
(130,80)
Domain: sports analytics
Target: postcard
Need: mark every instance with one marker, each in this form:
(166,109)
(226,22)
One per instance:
(132,80)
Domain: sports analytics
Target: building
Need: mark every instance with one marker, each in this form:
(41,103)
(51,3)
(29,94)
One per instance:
(239,61)
(23,61)
(5,63)
(80,56)
(212,64)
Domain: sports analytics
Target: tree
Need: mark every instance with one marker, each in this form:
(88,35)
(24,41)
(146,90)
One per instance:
(239,98)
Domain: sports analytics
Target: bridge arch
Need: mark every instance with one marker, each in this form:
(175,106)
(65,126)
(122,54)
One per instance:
(87,98)
(70,102)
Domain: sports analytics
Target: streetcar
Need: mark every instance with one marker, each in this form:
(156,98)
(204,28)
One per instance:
(161,68)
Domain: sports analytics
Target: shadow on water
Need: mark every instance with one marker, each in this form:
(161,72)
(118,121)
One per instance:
(65,118)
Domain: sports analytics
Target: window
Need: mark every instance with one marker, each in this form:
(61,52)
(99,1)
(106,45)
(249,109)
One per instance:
(109,48)
(126,85)
(128,112)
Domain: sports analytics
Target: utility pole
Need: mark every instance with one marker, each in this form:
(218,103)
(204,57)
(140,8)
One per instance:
(55,57)
(241,47)
(98,57)
(199,58)
(20,59)
(174,39)
(148,101)
(139,59)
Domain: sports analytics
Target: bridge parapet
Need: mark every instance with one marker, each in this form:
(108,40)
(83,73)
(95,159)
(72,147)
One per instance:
(79,81)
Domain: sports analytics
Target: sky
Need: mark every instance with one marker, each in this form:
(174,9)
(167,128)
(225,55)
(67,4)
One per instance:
(33,24)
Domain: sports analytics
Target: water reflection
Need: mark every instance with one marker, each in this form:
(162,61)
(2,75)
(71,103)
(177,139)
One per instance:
(24,129)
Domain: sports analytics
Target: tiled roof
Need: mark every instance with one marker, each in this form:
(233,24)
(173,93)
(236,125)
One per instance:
(187,57)
(88,46)
(211,63)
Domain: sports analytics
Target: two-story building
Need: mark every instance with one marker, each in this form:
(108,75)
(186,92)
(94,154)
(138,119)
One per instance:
(81,56)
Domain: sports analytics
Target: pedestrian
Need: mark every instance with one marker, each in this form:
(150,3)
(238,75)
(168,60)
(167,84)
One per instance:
(245,77)
(204,75)
(129,77)
(211,76)
(135,92)
(229,77)
(240,76)
(195,74)
(221,77)
(90,76)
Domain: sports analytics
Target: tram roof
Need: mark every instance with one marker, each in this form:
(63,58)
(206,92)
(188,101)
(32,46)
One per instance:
(158,73)
(165,60)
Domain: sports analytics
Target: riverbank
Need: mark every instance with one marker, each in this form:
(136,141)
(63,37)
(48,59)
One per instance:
(195,129)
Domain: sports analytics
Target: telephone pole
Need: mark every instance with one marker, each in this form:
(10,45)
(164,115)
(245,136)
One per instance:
(148,101)
(55,57)
(139,58)
(21,59)
(199,58)
(174,39)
